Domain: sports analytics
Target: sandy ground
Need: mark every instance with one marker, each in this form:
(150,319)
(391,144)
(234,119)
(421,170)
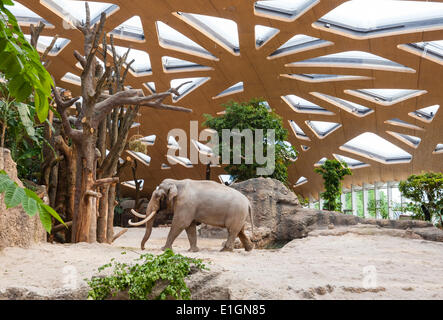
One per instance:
(349,266)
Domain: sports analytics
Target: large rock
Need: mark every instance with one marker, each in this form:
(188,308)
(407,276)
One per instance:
(16,227)
(279,217)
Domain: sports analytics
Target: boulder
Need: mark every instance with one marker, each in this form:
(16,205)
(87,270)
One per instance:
(16,227)
(279,217)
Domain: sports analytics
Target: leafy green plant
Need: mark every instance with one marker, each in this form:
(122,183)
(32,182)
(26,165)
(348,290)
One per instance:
(139,279)
(333,172)
(28,199)
(22,136)
(426,190)
(253,115)
(20,64)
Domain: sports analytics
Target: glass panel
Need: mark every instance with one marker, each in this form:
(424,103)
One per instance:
(263,34)
(131,28)
(346,105)
(238,87)
(353,58)
(349,161)
(174,64)
(142,63)
(44,42)
(366,17)
(373,146)
(221,30)
(304,106)
(323,128)
(193,84)
(298,43)
(284,9)
(171,38)
(25,16)
(75,11)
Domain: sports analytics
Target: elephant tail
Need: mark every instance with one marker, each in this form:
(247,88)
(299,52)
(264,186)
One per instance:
(252,219)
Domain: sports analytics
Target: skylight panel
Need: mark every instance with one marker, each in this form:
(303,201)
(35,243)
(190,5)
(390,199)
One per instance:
(236,88)
(171,64)
(170,38)
(299,133)
(226,179)
(164,166)
(438,149)
(131,184)
(223,31)
(432,50)
(185,162)
(353,59)
(193,84)
(299,43)
(74,11)
(131,29)
(411,141)
(317,78)
(142,64)
(44,42)
(305,148)
(322,128)
(351,162)
(202,148)
(25,16)
(320,162)
(301,181)
(172,143)
(149,140)
(263,34)
(386,97)
(425,114)
(348,106)
(286,10)
(301,105)
(376,148)
(404,124)
(71,78)
(144,158)
(150,86)
(375,18)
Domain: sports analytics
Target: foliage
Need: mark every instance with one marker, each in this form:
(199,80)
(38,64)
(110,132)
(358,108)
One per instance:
(333,172)
(253,115)
(20,64)
(427,190)
(380,206)
(23,138)
(139,279)
(30,201)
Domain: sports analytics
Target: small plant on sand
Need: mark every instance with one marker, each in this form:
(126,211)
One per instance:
(142,281)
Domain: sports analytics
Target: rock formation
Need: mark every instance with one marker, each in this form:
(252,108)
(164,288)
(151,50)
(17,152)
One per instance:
(279,217)
(16,227)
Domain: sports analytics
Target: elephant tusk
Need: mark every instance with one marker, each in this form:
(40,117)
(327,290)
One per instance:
(143,221)
(135,213)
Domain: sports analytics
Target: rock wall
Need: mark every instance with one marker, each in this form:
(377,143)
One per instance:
(16,227)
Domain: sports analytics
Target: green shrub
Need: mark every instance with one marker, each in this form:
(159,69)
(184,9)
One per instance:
(139,279)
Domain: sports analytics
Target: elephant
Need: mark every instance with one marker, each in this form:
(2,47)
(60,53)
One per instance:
(199,201)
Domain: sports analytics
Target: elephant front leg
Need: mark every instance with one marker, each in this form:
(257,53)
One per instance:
(173,234)
(191,231)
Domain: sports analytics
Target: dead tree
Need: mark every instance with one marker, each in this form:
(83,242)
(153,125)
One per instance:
(79,139)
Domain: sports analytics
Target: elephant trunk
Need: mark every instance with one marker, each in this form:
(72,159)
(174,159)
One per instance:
(149,226)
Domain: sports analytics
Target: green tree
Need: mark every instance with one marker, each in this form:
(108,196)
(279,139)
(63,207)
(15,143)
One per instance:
(380,205)
(20,64)
(426,190)
(254,115)
(333,172)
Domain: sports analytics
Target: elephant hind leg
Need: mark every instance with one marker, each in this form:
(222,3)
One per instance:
(229,244)
(191,231)
(247,244)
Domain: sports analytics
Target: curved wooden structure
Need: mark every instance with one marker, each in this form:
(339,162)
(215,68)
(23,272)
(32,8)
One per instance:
(272,74)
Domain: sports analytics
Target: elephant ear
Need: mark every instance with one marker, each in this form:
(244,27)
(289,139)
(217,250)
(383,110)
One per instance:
(172,193)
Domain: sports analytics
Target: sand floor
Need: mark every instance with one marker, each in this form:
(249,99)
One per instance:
(349,266)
